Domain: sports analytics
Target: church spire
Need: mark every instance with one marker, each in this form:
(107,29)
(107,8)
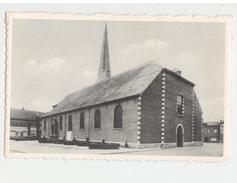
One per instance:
(104,67)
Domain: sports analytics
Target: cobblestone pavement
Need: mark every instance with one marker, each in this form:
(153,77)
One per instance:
(208,149)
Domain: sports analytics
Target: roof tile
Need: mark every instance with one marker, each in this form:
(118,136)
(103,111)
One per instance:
(126,84)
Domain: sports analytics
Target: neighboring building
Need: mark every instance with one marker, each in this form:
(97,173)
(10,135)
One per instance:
(221,131)
(213,131)
(24,123)
(146,106)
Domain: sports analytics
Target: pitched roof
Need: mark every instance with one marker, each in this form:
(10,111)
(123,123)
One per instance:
(126,84)
(23,114)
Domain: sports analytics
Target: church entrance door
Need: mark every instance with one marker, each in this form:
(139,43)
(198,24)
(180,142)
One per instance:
(180,136)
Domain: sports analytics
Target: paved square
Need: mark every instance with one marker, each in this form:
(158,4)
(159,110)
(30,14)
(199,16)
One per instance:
(208,149)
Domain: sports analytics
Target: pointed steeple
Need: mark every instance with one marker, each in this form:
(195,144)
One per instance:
(104,67)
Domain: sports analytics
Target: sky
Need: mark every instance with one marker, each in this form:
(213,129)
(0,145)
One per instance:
(53,58)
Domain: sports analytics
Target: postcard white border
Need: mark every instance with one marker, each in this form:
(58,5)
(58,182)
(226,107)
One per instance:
(111,17)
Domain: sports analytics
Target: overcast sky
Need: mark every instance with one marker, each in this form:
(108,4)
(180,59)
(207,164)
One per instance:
(52,58)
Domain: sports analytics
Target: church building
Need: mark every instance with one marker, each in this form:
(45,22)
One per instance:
(147,106)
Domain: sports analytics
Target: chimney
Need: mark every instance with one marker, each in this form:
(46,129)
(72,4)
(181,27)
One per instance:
(177,71)
(54,106)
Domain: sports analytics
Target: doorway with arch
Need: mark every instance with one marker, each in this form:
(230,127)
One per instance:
(179,135)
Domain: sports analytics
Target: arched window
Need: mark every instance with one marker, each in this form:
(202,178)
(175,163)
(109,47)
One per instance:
(180,104)
(82,120)
(118,117)
(45,125)
(70,123)
(61,122)
(97,118)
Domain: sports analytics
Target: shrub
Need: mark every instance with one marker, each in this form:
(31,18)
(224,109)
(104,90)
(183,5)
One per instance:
(103,146)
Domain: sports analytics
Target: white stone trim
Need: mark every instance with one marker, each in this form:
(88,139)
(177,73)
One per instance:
(183,106)
(178,126)
(139,119)
(193,116)
(162,130)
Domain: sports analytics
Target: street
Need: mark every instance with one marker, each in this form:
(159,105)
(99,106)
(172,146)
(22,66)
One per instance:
(208,149)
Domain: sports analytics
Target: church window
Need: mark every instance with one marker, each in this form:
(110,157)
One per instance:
(70,123)
(45,125)
(118,116)
(82,120)
(61,122)
(180,104)
(97,118)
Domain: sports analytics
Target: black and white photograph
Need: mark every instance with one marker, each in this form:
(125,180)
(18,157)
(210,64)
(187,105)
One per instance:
(117,86)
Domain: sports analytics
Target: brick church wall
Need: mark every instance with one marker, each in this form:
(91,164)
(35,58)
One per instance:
(107,132)
(151,113)
(173,87)
(142,116)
